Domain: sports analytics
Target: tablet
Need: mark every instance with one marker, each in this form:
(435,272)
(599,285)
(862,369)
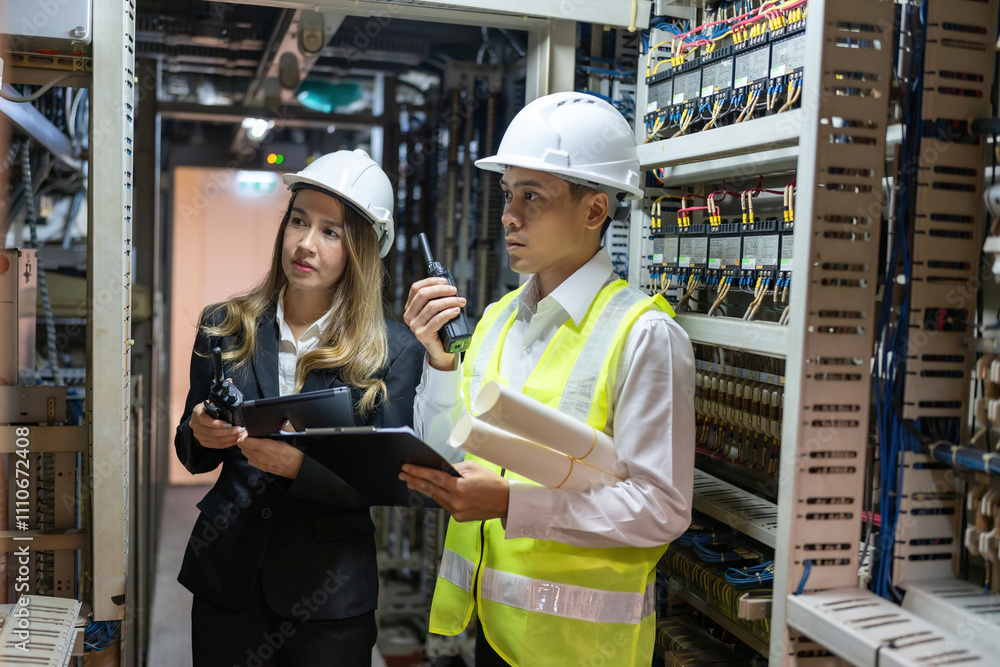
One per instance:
(314,409)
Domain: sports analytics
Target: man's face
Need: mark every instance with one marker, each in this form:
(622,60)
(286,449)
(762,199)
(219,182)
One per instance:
(545,229)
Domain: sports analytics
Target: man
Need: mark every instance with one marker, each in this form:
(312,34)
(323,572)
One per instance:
(560,577)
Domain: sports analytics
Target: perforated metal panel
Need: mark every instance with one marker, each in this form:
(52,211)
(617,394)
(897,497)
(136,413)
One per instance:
(930,514)
(39,631)
(838,213)
(958,72)
(868,631)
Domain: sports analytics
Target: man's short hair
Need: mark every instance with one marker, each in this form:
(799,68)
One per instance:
(577,191)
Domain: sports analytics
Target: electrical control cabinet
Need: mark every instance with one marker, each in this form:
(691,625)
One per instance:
(18,285)
(823,192)
(63,26)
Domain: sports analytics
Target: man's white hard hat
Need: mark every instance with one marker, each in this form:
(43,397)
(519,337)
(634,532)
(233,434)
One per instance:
(577,137)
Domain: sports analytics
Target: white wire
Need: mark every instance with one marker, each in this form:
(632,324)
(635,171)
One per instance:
(38,93)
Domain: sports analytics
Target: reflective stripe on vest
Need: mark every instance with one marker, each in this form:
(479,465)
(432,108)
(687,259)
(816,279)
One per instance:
(457,569)
(565,600)
(482,361)
(578,395)
(549,597)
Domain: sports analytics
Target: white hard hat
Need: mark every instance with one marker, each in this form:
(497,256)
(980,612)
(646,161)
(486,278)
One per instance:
(357,179)
(575,136)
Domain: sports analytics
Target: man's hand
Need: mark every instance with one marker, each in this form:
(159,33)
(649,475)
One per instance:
(431,304)
(272,456)
(479,494)
(212,433)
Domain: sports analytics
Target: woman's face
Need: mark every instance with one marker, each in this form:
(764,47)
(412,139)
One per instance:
(313,254)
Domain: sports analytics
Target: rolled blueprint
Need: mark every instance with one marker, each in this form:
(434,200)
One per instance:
(532,420)
(539,464)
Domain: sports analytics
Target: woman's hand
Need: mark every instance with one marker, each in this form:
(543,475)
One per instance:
(212,433)
(272,456)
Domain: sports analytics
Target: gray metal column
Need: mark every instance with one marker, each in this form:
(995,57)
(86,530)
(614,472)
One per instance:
(551,59)
(150,417)
(109,270)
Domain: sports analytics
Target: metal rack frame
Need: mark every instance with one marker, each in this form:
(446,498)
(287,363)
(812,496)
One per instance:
(824,296)
(517,14)
(109,282)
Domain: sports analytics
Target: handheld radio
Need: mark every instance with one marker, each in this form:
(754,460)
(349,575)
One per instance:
(224,399)
(456,334)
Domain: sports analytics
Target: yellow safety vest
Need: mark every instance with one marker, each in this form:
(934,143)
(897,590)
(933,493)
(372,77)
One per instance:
(541,602)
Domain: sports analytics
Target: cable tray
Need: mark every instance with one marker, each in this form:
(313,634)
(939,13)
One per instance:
(753,516)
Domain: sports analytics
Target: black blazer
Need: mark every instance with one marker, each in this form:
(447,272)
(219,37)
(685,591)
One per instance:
(311,539)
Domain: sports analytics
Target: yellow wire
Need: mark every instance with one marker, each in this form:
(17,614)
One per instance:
(649,56)
(658,66)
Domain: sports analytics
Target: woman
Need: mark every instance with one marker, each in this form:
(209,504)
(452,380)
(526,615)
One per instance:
(281,561)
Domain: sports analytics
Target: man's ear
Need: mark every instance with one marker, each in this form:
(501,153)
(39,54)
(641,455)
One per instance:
(598,206)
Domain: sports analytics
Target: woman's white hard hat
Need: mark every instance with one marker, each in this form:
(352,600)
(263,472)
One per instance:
(577,137)
(357,179)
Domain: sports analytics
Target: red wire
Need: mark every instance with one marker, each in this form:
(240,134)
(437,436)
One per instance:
(709,25)
(772,10)
(695,45)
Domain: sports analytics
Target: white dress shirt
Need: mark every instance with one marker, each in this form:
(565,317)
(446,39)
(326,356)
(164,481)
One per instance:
(651,417)
(289,349)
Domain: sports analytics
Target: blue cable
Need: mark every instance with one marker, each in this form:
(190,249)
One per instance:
(100,635)
(598,95)
(805,577)
(614,73)
(689,537)
(748,577)
(894,436)
(704,552)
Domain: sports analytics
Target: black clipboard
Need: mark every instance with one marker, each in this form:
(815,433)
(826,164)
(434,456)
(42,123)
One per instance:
(370,460)
(313,409)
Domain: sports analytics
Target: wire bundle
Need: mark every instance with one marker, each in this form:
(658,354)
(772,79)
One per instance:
(896,437)
(715,546)
(751,576)
(717,552)
(100,635)
(697,532)
(615,69)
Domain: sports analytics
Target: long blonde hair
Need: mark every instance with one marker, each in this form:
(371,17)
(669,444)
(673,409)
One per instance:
(354,342)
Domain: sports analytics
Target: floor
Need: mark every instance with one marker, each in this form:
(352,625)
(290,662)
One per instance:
(170,625)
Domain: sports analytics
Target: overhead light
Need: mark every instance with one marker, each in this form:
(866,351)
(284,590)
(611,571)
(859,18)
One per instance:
(257,128)
(312,37)
(324,96)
